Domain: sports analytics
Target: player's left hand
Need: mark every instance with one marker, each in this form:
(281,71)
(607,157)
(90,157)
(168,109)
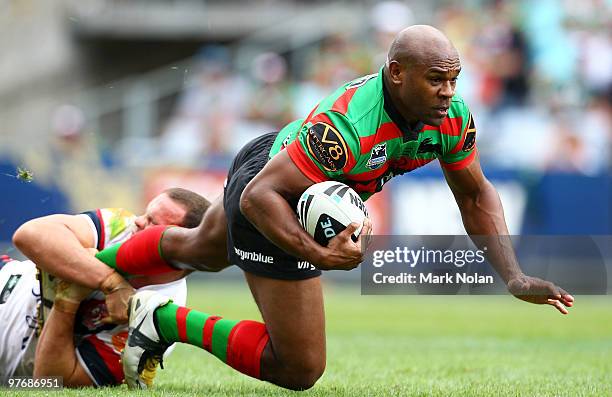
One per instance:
(538,291)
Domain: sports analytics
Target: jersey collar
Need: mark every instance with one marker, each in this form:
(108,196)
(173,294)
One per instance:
(409,133)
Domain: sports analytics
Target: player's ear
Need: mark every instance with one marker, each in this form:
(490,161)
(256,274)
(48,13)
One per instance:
(395,71)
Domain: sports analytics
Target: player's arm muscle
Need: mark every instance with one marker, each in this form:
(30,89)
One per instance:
(58,244)
(264,204)
(483,215)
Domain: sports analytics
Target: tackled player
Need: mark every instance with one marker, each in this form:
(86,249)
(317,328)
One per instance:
(366,132)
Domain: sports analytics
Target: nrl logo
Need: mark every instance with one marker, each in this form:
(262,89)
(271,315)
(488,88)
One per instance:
(378,156)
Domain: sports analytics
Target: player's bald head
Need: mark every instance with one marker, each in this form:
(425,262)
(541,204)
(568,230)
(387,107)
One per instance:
(421,74)
(423,44)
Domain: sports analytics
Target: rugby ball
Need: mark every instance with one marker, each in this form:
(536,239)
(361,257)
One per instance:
(326,208)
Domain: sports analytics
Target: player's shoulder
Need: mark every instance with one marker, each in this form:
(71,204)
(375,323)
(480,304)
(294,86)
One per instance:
(366,96)
(354,100)
(112,225)
(118,218)
(116,212)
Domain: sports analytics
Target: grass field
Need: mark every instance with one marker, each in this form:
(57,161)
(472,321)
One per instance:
(415,346)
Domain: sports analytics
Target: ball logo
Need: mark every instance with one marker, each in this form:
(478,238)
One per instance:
(328,228)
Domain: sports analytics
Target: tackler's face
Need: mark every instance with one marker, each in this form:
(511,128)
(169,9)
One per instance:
(427,89)
(162,210)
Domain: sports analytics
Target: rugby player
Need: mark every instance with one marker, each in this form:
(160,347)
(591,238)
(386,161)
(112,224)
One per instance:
(56,243)
(368,131)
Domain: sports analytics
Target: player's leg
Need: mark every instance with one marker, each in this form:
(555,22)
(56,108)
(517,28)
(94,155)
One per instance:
(161,249)
(203,248)
(289,350)
(156,323)
(206,247)
(295,320)
(286,289)
(294,356)
(164,249)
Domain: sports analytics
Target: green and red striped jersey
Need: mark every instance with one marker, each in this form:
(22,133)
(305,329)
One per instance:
(356,136)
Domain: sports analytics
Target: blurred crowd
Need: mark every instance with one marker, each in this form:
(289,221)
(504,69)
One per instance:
(536,74)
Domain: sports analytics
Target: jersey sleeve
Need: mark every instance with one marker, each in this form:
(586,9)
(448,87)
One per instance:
(94,219)
(458,138)
(110,225)
(325,147)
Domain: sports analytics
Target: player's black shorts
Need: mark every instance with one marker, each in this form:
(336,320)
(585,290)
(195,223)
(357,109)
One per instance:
(247,248)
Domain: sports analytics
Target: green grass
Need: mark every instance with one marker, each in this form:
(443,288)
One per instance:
(415,346)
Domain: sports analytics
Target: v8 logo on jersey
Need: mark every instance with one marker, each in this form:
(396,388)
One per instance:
(327,146)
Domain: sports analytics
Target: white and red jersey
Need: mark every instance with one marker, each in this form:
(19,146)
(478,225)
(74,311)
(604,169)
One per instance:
(98,345)
(101,344)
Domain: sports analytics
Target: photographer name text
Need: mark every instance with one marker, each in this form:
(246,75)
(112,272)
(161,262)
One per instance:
(432,278)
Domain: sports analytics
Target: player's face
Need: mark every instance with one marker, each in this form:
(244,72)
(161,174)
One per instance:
(162,210)
(427,89)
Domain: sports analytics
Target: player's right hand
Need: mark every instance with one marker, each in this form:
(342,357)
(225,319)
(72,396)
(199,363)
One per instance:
(342,253)
(118,291)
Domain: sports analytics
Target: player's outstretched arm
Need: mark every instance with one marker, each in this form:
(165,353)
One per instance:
(483,215)
(264,204)
(58,244)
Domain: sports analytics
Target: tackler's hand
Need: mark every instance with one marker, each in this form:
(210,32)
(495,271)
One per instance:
(118,291)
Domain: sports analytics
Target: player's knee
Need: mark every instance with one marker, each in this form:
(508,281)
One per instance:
(304,375)
(305,380)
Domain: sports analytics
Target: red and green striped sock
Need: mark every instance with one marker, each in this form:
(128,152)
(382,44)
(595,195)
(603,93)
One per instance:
(239,344)
(139,256)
